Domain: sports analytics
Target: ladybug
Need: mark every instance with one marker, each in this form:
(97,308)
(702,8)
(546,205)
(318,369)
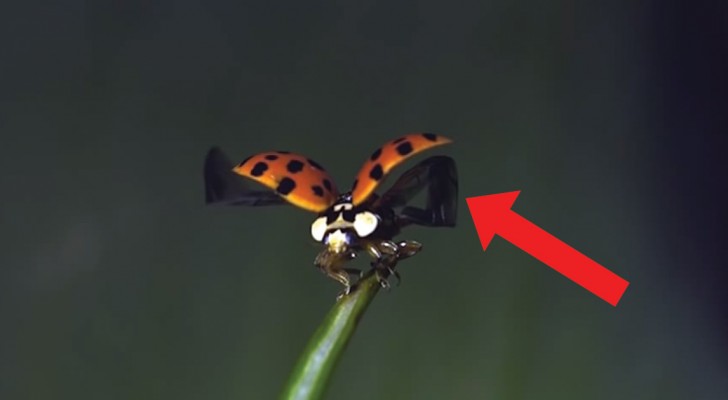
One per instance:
(353,221)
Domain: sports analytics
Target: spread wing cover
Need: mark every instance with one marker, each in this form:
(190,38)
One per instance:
(387,157)
(293,177)
(223,186)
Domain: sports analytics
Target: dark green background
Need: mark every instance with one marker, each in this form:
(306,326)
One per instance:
(117,283)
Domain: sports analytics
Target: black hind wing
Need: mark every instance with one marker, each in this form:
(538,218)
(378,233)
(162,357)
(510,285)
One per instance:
(438,174)
(223,186)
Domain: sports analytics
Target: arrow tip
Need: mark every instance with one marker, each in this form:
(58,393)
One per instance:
(487,212)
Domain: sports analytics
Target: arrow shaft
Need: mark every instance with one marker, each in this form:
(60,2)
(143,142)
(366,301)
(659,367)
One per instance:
(561,257)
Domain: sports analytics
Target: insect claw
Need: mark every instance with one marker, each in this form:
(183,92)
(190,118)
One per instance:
(408,248)
(388,247)
(391,272)
(383,282)
(380,267)
(343,293)
(396,275)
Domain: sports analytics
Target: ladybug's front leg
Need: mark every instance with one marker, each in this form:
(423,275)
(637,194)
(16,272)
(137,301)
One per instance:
(332,264)
(381,261)
(408,248)
(404,249)
(387,254)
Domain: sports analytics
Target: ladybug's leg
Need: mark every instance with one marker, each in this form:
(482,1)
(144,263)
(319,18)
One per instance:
(344,279)
(402,250)
(408,248)
(439,175)
(374,251)
(331,264)
(385,254)
(391,251)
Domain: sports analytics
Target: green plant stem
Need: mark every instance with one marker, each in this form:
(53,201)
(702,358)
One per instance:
(311,375)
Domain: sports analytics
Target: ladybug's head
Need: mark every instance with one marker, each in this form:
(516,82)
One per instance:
(339,240)
(342,225)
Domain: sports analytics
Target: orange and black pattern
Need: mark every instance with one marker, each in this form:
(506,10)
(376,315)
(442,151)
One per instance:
(387,157)
(298,179)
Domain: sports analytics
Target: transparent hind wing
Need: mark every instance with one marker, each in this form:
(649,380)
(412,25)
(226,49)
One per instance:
(437,174)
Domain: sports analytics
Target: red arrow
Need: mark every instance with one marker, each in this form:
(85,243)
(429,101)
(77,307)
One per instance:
(492,215)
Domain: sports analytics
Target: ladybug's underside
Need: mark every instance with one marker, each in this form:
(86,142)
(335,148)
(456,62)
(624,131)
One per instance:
(358,220)
(348,233)
(386,255)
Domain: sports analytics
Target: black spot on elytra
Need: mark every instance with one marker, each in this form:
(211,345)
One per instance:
(400,140)
(430,136)
(404,148)
(318,190)
(271,157)
(315,164)
(356,182)
(294,166)
(376,173)
(286,186)
(327,184)
(376,154)
(258,169)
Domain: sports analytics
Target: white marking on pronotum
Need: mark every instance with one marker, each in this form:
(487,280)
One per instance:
(343,206)
(318,228)
(365,223)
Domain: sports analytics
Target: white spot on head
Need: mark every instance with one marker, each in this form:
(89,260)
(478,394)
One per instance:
(337,241)
(318,228)
(365,223)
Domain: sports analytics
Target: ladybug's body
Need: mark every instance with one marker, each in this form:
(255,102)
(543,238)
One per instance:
(354,221)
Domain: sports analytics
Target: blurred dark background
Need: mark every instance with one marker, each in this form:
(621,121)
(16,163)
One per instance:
(117,283)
